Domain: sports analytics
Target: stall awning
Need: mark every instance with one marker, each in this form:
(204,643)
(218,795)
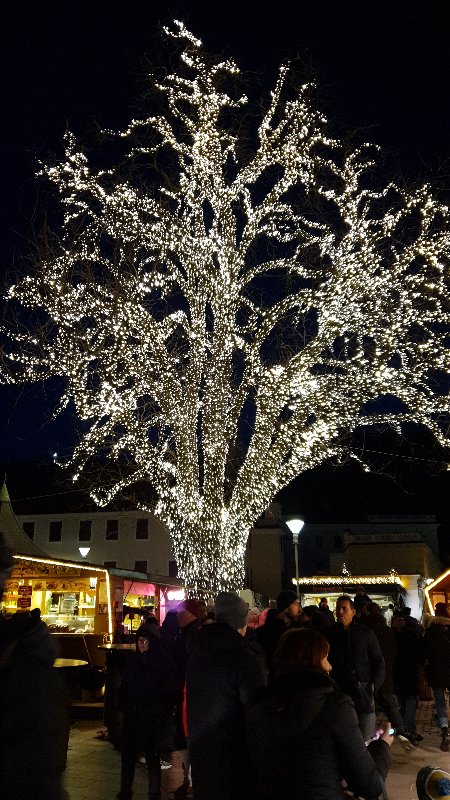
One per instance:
(348,584)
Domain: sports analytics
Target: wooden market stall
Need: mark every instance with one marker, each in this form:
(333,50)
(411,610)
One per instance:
(438,591)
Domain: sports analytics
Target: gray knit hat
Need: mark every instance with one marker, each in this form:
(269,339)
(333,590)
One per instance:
(230,608)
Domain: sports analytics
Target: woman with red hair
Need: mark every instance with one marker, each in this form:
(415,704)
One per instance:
(303,732)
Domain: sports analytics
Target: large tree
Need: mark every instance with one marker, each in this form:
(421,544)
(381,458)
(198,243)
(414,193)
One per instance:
(228,303)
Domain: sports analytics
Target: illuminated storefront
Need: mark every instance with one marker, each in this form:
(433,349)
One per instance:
(72,597)
(382,589)
(438,591)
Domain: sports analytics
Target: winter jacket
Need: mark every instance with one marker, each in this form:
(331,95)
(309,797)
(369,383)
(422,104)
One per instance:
(149,691)
(34,711)
(304,739)
(223,675)
(268,636)
(410,648)
(356,659)
(388,646)
(437,651)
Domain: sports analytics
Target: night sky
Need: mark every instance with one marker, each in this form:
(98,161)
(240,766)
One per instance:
(382,70)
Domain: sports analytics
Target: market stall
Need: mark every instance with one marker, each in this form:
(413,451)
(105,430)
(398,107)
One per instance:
(382,589)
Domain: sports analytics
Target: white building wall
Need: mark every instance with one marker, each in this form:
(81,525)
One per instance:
(125,551)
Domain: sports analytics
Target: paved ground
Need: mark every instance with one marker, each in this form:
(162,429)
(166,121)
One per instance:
(94,765)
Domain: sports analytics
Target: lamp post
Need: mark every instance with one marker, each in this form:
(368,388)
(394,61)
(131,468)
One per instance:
(295,526)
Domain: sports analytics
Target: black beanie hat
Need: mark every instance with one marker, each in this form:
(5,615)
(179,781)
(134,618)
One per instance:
(285,599)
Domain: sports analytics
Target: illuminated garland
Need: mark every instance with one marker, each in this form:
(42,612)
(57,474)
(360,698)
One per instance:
(348,580)
(158,323)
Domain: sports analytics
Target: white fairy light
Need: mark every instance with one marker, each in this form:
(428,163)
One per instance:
(151,299)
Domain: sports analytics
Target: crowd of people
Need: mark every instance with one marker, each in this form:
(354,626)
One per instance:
(260,711)
(286,709)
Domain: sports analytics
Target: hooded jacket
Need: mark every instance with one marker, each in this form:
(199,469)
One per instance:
(34,711)
(304,738)
(147,696)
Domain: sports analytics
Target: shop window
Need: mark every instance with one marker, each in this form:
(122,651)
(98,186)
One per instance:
(55,531)
(84,533)
(112,528)
(142,530)
(173,569)
(28,528)
(140,566)
(110,564)
(318,542)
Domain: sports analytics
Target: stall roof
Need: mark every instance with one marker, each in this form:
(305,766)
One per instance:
(145,577)
(15,536)
(350,582)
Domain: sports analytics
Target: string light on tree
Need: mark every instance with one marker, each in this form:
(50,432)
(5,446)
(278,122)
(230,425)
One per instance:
(223,318)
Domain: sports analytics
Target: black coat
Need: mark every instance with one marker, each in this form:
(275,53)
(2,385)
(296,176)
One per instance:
(223,675)
(304,739)
(268,636)
(410,648)
(437,651)
(355,656)
(149,691)
(34,711)
(388,646)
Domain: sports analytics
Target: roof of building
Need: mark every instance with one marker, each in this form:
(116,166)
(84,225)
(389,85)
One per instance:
(16,538)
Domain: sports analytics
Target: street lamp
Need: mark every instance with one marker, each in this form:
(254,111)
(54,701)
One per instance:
(84,551)
(295,526)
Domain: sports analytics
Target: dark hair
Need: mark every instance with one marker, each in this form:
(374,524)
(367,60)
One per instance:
(300,648)
(373,609)
(440,609)
(344,598)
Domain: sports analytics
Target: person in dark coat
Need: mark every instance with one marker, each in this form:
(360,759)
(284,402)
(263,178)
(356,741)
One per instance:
(149,691)
(169,631)
(385,697)
(223,675)
(34,705)
(288,612)
(327,617)
(360,599)
(437,652)
(406,673)
(303,732)
(357,661)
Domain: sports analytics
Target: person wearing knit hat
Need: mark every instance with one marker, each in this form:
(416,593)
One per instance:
(193,607)
(190,614)
(231,609)
(224,672)
(289,612)
(148,693)
(288,605)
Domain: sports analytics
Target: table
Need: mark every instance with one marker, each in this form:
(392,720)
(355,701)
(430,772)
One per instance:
(72,671)
(60,663)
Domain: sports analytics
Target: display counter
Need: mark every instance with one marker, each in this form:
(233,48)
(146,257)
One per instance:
(72,598)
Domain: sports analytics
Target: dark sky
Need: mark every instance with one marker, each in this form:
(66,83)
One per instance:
(382,67)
